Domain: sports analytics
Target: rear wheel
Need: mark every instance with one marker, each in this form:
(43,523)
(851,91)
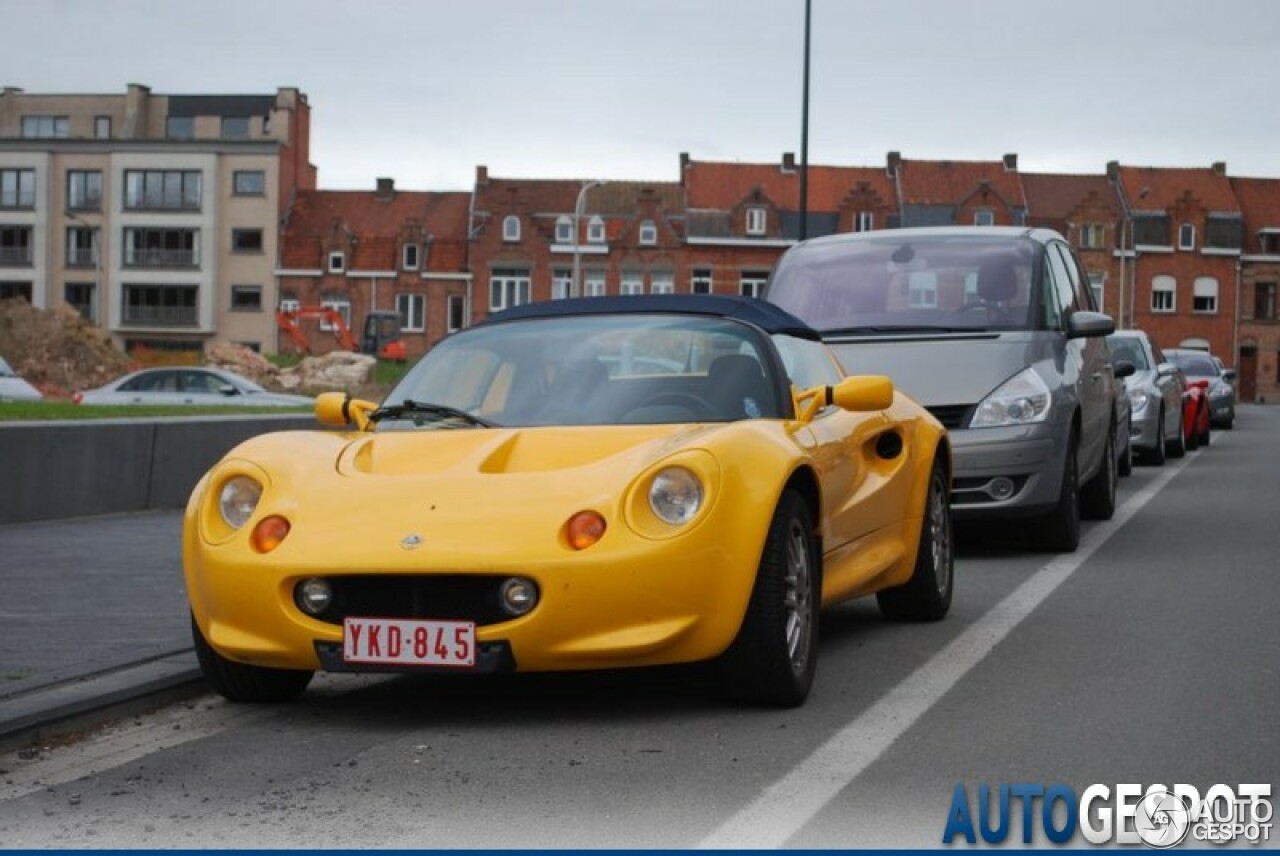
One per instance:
(1206,422)
(927,595)
(1157,454)
(773,659)
(1125,465)
(1060,529)
(1178,447)
(242,682)
(1098,500)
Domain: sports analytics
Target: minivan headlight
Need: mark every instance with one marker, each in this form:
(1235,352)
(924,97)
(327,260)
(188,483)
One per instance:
(1021,400)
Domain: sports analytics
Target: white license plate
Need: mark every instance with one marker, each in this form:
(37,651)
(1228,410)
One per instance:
(399,642)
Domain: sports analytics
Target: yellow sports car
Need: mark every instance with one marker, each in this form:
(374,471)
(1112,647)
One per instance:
(579,484)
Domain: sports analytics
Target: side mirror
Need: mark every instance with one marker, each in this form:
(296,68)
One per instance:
(1166,370)
(338,410)
(228,389)
(1084,324)
(1124,368)
(1229,375)
(862,393)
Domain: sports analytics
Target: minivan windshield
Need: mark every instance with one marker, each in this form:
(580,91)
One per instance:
(909,283)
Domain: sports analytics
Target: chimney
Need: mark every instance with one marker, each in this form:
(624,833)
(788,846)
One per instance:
(1011,162)
(137,102)
(1220,167)
(386,188)
(482,175)
(1113,170)
(788,161)
(12,90)
(893,162)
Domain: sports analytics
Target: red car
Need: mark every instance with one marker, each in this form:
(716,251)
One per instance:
(1195,414)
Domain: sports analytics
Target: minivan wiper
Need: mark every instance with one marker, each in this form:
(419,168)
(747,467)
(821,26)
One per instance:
(409,408)
(916,328)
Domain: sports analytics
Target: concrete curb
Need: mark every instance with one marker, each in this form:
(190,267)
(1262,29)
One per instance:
(75,705)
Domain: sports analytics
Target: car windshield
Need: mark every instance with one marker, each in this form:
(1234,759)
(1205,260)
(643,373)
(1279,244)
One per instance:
(590,370)
(1129,349)
(1195,365)
(917,283)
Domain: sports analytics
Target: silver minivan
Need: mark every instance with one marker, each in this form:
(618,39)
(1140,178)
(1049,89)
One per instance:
(995,331)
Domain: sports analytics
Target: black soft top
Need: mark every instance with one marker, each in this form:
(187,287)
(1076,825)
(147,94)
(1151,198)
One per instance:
(766,316)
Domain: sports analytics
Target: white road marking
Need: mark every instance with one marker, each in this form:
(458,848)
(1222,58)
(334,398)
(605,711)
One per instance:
(788,804)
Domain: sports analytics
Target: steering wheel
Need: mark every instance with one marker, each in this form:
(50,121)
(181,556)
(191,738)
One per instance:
(699,408)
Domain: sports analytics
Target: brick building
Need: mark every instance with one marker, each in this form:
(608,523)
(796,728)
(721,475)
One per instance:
(1083,209)
(1258,361)
(956,193)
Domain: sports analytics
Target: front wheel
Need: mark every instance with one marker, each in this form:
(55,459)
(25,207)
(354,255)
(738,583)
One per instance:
(1060,529)
(927,595)
(1098,500)
(1178,448)
(773,659)
(242,682)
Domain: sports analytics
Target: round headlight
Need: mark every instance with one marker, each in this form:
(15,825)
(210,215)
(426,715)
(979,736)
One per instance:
(675,495)
(238,499)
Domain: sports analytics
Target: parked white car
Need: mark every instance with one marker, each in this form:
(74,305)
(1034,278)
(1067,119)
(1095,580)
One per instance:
(183,385)
(14,388)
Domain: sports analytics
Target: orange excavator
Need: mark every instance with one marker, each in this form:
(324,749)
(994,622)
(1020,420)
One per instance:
(380,338)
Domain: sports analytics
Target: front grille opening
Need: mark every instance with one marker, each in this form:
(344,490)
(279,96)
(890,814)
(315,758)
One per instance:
(951,415)
(461,597)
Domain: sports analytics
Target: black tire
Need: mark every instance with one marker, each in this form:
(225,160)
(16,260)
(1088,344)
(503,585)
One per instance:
(772,661)
(927,595)
(242,682)
(1157,455)
(1098,499)
(1060,528)
(1204,436)
(1124,466)
(1178,448)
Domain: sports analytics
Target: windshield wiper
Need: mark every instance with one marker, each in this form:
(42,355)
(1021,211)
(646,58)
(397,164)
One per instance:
(914,328)
(409,407)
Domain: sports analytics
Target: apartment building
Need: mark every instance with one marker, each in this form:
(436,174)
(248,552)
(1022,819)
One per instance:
(155,216)
(385,249)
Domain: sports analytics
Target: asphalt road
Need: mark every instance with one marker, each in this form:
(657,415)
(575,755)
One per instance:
(1151,655)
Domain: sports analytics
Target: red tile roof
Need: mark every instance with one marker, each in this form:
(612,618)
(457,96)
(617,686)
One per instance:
(718,185)
(1054,196)
(530,195)
(1151,188)
(1260,201)
(928,182)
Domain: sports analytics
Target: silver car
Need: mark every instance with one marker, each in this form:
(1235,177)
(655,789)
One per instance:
(183,385)
(1156,389)
(995,331)
(14,388)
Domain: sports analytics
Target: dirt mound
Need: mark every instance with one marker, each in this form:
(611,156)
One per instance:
(57,350)
(245,362)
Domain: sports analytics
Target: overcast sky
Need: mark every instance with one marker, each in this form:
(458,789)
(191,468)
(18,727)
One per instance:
(425,91)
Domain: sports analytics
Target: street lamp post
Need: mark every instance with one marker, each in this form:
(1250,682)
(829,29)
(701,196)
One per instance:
(575,289)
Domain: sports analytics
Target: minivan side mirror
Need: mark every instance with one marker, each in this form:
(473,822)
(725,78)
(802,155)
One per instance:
(1124,368)
(1085,324)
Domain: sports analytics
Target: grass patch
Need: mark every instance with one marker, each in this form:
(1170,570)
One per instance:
(32,410)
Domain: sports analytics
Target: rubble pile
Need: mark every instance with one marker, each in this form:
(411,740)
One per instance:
(57,350)
(243,361)
(336,371)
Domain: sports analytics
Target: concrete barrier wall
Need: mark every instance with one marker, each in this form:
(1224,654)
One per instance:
(50,470)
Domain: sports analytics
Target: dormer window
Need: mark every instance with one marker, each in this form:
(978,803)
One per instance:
(595,230)
(1186,237)
(648,232)
(984,217)
(757,219)
(865,221)
(511,228)
(410,257)
(564,229)
(337,261)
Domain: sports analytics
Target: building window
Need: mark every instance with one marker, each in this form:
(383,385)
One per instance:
(409,257)
(564,230)
(235,128)
(102,127)
(249,182)
(595,283)
(17,188)
(180,127)
(1264,301)
(84,190)
(648,232)
(289,302)
(45,127)
(700,281)
(337,261)
(508,288)
(246,240)
(1164,292)
(15,246)
(162,190)
(160,305)
(1186,237)
(1204,296)
(864,221)
(1093,236)
(457,312)
(511,228)
(984,217)
(413,312)
(339,303)
(561,283)
(632,283)
(1098,285)
(80,297)
(662,282)
(11,290)
(162,248)
(595,230)
(80,249)
(246,298)
(757,221)
(752,283)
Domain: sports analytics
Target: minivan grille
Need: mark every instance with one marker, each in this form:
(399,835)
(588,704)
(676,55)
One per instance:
(951,415)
